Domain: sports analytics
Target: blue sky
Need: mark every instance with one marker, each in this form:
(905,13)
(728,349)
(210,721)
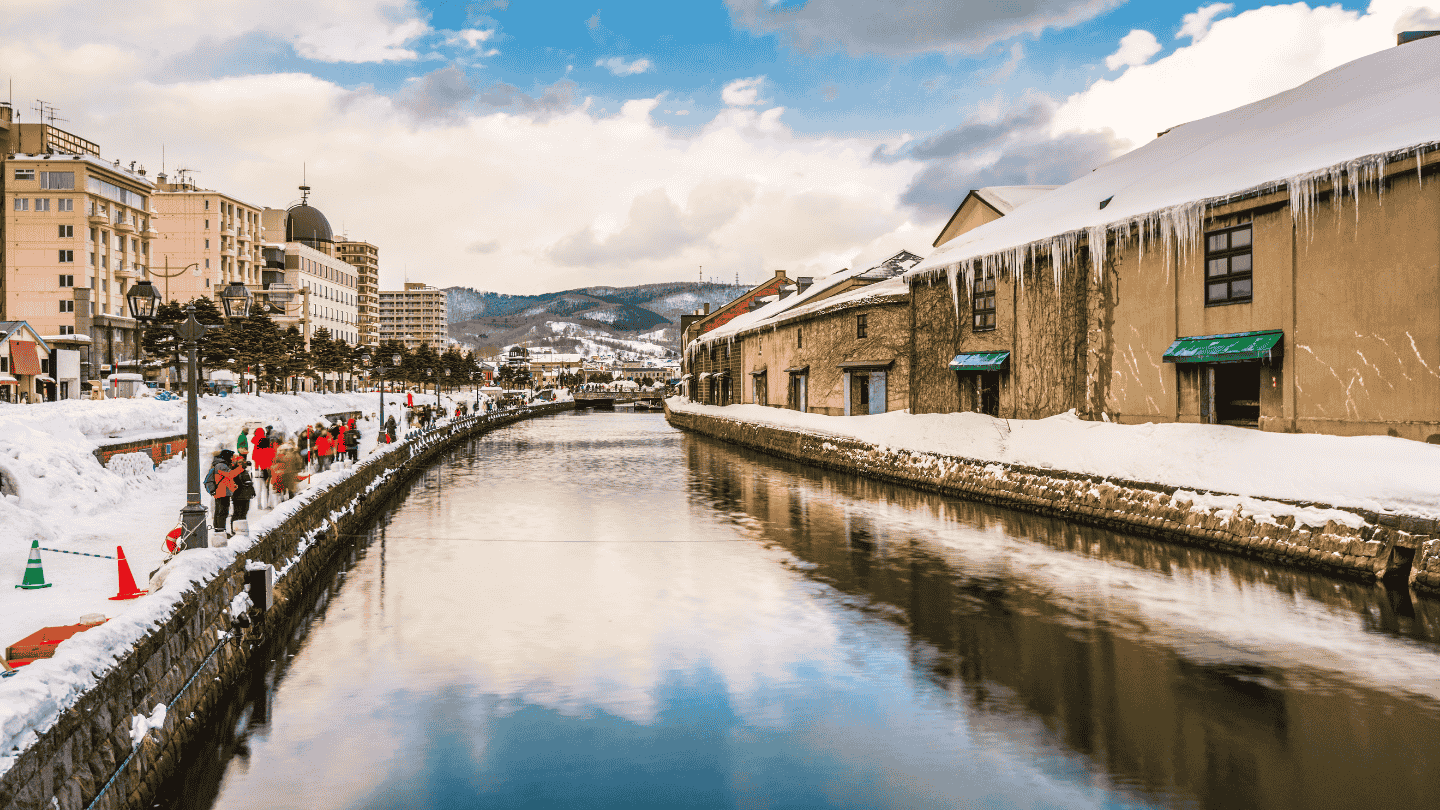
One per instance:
(532,146)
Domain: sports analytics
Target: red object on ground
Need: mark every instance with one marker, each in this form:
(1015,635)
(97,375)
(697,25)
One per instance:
(127,580)
(41,644)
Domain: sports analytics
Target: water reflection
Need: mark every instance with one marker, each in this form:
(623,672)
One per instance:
(594,610)
(1190,676)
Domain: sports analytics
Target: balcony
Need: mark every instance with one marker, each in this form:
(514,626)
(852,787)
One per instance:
(123,227)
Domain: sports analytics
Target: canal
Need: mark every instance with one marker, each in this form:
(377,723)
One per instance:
(595,610)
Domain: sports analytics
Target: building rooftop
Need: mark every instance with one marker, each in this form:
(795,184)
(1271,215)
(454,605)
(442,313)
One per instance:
(1340,126)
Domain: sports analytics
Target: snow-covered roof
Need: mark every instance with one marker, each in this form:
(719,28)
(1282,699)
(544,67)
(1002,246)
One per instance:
(1340,126)
(746,320)
(1007,198)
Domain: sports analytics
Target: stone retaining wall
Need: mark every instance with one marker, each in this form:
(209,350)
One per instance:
(192,661)
(1383,545)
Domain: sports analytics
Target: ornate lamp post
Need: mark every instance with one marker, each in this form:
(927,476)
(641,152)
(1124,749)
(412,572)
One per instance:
(260,375)
(142,299)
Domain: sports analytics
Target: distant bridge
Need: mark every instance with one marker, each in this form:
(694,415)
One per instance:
(608,399)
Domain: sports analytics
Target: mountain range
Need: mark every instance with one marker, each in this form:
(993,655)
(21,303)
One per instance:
(642,320)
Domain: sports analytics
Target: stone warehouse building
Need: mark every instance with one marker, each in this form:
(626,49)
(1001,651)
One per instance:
(1275,266)
(838,346)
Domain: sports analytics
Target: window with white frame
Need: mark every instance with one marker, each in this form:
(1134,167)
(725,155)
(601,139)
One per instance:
(67,257)
(22,203)
(67,306)
(67,281)
(24,174)
(42,203)
(66,231)
(65,204)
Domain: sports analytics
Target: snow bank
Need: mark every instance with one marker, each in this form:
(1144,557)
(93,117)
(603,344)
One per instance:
(1378,473)
(58,493)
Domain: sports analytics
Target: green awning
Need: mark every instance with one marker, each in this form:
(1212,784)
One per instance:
(980,361)
(1226,348)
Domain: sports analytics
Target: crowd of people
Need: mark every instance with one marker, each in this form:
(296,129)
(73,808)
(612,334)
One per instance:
(268,466)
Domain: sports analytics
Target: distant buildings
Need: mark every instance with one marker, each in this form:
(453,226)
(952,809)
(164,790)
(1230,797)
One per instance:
(415,316)
(365,258)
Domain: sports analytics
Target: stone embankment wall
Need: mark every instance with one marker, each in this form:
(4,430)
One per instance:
(192,662)
(1384,545)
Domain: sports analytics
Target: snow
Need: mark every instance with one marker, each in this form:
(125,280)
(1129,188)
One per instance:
(55,490)
(1235,467)
(140,725)
(1340,127)
(1007,198)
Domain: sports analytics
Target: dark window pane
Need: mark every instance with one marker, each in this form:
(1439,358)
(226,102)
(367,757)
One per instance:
(1215,292)
(1240,264)
(1216,267)
(1240,238)
(1217,242)
(1240,288)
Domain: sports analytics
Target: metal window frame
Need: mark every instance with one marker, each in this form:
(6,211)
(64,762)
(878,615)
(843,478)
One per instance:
(982,288)
(1206,279)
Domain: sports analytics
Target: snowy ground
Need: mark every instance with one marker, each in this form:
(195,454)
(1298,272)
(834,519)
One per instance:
(1378,473)
(66,500)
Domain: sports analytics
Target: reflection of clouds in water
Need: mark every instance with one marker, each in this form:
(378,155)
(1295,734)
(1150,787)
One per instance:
(1201,612)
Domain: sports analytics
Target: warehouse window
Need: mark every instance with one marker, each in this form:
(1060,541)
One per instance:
(1228,266)
(982,300)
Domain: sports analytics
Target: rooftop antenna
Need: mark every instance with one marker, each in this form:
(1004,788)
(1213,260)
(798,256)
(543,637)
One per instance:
(702,274)
(304,187)
(47,111)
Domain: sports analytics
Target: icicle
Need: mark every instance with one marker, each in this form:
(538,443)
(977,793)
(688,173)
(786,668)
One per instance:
(1096,236)
(1419,176)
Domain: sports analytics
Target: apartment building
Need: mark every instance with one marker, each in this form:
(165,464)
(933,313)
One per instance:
(365,258)
(414,316)
(206,239)
(302,261)
(75,232)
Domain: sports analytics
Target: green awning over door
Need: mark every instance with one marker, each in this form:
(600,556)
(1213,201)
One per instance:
(980,361)
(1225,348)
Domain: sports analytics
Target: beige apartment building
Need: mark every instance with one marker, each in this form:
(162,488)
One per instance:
(75,232)
(365,258)
(414,316)
(205,240)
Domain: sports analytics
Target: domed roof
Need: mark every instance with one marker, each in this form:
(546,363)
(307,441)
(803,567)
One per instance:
(305,224)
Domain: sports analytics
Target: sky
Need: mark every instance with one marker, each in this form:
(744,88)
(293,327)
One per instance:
(527,147)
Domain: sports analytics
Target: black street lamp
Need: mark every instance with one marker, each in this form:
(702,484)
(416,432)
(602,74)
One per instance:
(143,299)
(381,369)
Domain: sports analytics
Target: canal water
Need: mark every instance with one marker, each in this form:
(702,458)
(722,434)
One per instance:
(594,610)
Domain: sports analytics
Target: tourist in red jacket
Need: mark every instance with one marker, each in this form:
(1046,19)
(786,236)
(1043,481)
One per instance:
(324,451)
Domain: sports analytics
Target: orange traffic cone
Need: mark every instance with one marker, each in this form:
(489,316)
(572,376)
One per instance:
(127,580)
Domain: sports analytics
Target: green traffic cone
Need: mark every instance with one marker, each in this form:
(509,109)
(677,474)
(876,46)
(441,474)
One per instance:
(34,574)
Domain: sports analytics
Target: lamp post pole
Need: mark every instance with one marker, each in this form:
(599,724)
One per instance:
(194,527)
(143,299)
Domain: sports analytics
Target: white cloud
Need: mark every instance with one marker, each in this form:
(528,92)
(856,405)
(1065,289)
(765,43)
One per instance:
(470,37)
(619,67)
(743,92)
(464,184)
(1136,48)
(1196,24)
(1295,43)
